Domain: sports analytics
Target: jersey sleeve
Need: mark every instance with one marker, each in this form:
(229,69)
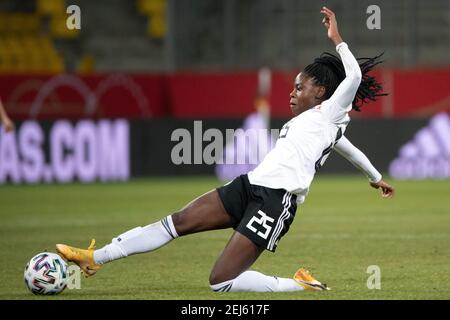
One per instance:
(346,149)
(340,103)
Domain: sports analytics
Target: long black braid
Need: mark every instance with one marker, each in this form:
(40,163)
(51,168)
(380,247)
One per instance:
(328,71)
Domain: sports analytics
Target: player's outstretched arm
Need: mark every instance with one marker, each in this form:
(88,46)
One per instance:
(6,122)
(330,22)
(356,157)
(342,98)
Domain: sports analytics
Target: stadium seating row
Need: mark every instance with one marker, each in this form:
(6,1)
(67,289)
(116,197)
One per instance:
(27,40)
(25,54)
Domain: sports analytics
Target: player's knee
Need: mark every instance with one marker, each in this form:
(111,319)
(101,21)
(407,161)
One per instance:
(220,282)
(213,279)
(217,277)
(180,222)
(186,223)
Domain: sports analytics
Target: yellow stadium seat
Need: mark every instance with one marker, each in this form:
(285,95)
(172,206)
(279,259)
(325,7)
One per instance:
(36,63)
(58,28)
(150,7)
(3,22)
(157,26)
(19,23)
(32,24)
(50,7)
(44,42)
(29,43)
(86,65)
(13,45)
(155,10)
(21,61)
(16,22)
(6,65)
(56,64)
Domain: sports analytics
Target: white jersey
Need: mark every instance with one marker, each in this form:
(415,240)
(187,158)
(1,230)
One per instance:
(306,140)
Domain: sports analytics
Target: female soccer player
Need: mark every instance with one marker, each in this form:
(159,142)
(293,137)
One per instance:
(261,205)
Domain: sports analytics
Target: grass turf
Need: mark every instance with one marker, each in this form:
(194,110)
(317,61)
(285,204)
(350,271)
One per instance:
(344,227)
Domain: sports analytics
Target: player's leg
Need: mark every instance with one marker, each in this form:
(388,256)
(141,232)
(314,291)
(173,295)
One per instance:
(266,219)
(230,272)
(204,213)
(238,255)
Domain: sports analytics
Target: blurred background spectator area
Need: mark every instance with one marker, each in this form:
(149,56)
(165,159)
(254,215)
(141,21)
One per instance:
(171,57)
(160,64)
(171,35)
(34,37)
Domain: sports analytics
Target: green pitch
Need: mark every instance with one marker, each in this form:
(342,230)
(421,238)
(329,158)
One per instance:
(343,228)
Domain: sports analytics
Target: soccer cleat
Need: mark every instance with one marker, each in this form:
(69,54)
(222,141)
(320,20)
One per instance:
(307,281)
(84,258)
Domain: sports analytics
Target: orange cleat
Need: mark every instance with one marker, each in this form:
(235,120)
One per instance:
(307,281)
(84,258)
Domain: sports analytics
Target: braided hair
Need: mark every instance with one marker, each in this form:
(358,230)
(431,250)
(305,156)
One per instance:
(328,71)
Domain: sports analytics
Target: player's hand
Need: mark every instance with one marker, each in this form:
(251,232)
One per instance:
(7,124)
(388,190)
(329,21)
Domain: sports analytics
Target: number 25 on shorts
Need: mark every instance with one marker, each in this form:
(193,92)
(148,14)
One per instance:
(263,221)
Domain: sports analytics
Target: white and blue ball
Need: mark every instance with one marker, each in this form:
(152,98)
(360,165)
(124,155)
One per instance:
(46,274)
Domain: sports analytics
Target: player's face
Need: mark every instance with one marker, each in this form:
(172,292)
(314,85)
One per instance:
(304,95)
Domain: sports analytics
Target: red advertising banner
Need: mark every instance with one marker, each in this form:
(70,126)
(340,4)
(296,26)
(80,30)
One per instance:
(421,93)
(412,93)
(72,96)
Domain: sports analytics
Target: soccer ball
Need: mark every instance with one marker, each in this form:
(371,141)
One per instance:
(46,274)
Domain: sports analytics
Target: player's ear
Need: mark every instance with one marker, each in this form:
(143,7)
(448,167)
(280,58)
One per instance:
(320,92)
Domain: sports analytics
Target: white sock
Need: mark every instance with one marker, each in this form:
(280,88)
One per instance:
(257,282)
(138,240)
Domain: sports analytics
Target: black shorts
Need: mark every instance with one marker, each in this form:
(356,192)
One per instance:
(261,214)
